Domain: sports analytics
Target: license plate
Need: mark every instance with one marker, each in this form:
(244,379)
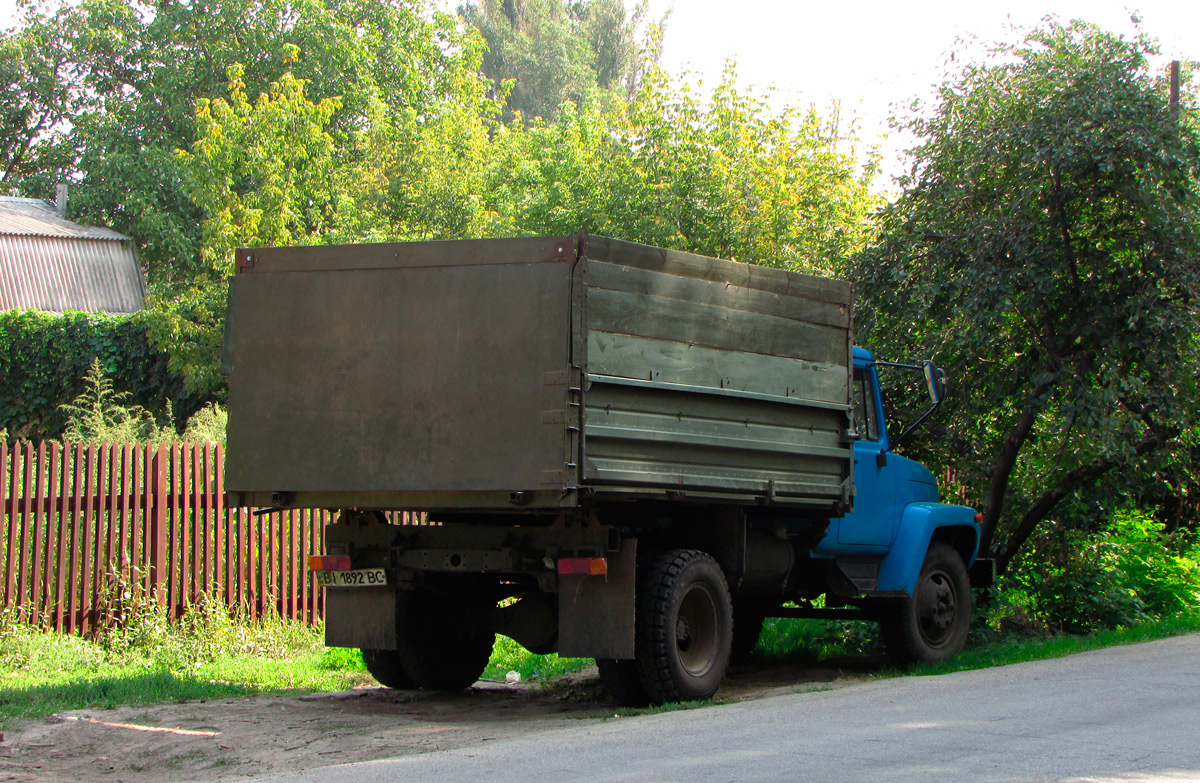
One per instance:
(363,577)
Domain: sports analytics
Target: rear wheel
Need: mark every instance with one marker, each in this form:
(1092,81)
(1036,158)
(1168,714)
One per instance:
(932,625)
(444,641)
(385,667)
(684,627)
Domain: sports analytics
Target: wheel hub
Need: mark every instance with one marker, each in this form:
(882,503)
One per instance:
(696,631)
(683,634)
(937,607)
(943,610)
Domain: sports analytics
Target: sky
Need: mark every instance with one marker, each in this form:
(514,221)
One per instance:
(871,56)
(875,57)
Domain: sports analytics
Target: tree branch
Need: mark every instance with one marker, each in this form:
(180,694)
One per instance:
(1072,481)
(1006,461)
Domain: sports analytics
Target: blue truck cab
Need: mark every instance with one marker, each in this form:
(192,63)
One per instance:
(908,553)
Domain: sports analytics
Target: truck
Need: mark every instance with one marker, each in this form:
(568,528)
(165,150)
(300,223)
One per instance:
(594,447)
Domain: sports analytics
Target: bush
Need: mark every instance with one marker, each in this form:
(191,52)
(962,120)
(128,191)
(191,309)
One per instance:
(209,423)
(1076,581)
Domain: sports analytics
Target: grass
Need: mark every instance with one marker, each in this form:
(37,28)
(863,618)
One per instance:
(816,641)
(812,641)
(207,657)
(1004,652)
(152,662)
(211,657)
(508,656)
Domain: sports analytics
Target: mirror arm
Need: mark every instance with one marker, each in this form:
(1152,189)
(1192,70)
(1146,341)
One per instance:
(921,420)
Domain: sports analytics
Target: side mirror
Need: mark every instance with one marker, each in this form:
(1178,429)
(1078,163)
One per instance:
(935,380)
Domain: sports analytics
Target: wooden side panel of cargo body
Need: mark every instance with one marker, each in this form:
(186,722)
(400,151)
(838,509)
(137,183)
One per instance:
(715,378)
(391,373)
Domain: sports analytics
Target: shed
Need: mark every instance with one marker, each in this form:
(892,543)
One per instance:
(49,263)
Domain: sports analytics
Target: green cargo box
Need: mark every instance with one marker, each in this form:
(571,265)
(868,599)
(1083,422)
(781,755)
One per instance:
(533,373)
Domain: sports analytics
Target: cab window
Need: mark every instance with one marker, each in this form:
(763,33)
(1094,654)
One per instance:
(866,420)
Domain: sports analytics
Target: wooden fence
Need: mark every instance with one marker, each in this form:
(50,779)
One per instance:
(90,531)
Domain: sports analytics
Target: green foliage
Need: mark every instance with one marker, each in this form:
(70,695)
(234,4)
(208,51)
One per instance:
(48,66)
(728,177)
(45,357)
(122,81)
(1044,250)
(342,659)
(1073,581)
(282,145)
(817,640)
(189,331)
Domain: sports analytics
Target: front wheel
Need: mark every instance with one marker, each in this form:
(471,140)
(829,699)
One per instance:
(684,627)
(932,625)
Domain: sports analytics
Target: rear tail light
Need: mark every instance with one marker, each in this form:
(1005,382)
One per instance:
(589,566)
(329,563)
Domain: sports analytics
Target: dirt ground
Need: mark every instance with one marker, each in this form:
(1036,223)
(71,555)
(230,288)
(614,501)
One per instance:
(236,738)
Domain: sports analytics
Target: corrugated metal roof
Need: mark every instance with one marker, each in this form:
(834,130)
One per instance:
(47,263)
(36,218)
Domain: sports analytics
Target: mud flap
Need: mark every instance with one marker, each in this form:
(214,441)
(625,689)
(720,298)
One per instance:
(595,613)
(360,617)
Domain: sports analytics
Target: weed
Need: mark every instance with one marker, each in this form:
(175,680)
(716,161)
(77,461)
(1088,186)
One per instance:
(671,706)
(189,759)
(100,415)
(1071,581)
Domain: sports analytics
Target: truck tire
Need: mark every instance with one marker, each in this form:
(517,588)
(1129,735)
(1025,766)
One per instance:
(684,627)
(444,643)
(385,667)
(932,625)
(623,681)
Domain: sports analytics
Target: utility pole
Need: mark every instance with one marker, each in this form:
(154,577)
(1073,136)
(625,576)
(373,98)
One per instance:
(1174,104)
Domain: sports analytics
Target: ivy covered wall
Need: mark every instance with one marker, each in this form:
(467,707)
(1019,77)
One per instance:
(44,357)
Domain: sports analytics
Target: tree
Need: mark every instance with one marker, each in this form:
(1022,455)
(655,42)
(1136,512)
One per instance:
(110,88)
(1045,247)
(54,70)
(735,178)
(730,176)
(543,53)
(263,172)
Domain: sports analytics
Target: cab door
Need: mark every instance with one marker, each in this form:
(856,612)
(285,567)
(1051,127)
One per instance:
(873,521)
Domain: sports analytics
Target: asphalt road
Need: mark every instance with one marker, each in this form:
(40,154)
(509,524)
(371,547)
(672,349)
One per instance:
(1123,714)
